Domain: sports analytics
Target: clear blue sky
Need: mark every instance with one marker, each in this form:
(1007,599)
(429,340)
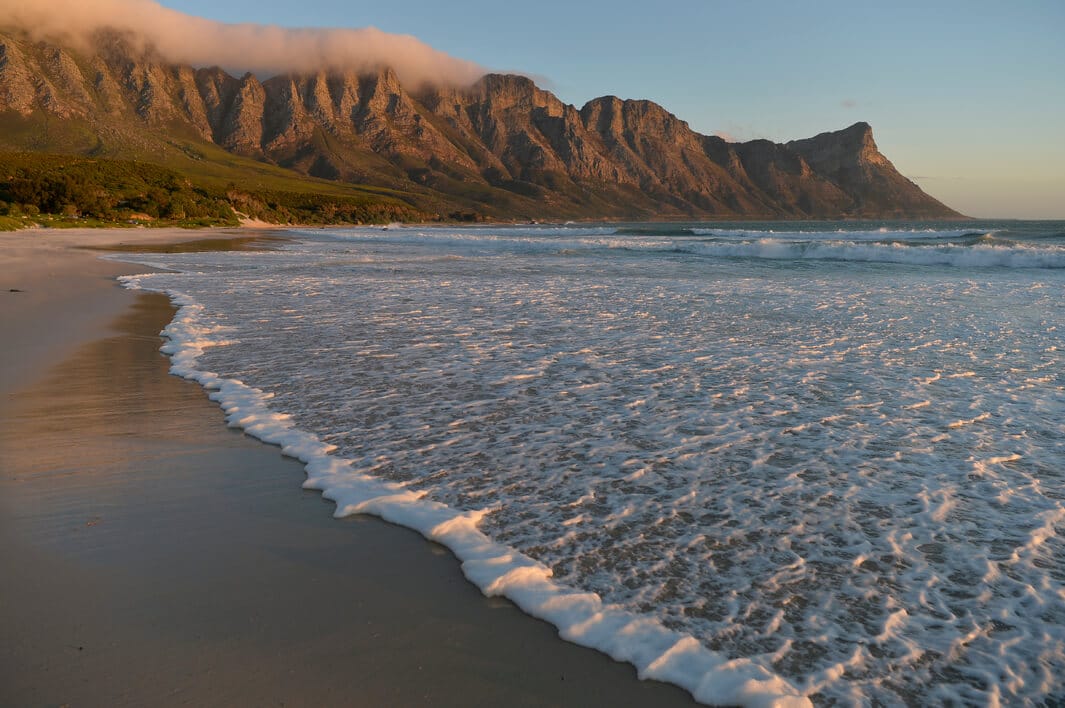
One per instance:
(967,98)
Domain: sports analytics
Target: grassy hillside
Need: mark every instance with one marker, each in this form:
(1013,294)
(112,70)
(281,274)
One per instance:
(191,191)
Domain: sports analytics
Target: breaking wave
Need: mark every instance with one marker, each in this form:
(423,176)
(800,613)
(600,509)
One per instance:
(958,248)
(980,255)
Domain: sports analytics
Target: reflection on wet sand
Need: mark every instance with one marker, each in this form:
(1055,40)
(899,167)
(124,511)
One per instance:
(262,241)
(151,556)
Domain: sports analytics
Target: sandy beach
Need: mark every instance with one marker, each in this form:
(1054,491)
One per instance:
(153,556)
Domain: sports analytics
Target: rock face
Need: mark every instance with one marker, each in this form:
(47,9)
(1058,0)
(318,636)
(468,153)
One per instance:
(503,145)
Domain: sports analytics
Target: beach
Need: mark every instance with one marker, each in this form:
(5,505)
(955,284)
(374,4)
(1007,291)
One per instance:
(154,556)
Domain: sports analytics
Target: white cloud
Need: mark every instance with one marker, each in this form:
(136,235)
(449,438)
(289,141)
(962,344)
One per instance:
(262,49)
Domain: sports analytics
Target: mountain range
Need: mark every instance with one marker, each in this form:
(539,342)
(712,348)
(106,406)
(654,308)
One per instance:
(501,148)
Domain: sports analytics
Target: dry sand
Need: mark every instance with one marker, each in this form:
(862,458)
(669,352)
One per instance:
(151,556)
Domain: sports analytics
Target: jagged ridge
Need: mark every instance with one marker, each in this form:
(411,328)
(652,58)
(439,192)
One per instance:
(503,145)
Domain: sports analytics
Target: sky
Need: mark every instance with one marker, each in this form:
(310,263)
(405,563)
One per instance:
(966,98)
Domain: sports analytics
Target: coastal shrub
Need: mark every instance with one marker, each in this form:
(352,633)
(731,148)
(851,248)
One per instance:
(82,189)
(104,190)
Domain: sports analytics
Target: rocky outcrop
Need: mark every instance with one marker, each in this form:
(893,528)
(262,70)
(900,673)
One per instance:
(643,142)
(243,125)
(503,145)
(850,159)
(17,85)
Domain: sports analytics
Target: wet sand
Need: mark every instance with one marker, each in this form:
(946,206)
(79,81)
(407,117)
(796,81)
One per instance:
(152,556)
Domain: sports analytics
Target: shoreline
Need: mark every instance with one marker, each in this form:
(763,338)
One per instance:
(71,292)
(258,225)
(161,570)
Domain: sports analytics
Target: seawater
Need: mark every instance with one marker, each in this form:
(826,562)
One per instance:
(768,462)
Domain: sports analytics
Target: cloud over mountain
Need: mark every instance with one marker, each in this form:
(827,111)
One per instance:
(262,49)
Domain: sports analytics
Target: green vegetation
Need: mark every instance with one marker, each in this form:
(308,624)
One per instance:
(64,190)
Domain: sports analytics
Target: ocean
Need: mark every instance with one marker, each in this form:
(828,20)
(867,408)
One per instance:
(769,462)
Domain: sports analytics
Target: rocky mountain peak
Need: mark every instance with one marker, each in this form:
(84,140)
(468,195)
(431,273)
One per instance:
(859,137)
(508,91)
(835,150)
(503,146)
(850,158)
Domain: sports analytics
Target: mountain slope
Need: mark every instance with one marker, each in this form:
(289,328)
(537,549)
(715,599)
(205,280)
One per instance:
(502,147)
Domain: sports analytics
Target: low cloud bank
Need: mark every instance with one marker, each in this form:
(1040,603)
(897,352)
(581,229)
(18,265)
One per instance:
(262,49)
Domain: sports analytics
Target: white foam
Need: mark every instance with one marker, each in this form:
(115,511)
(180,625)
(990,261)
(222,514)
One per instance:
(879,234)
(905,247)
(955,255)
(772,460)
(656,651)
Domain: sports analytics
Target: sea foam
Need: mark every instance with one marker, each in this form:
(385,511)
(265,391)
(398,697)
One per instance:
(921,247)
(845,475)
(498,570)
